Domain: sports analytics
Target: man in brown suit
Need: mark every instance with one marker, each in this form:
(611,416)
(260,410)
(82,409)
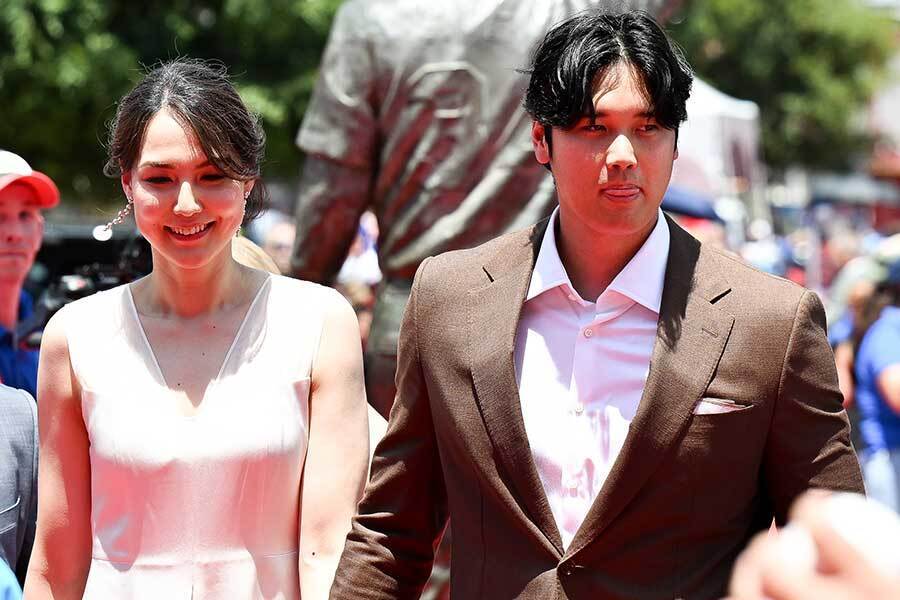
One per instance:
(605,408)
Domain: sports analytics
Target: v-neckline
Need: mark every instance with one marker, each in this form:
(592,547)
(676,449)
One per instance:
(237,336)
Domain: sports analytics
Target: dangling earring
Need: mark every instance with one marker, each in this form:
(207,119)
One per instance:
(237,233)
(120,216)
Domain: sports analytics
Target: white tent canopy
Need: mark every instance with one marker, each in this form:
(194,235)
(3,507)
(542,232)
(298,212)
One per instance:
(718,145)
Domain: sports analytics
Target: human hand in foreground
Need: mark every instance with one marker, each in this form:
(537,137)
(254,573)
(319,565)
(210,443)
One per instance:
(836,547)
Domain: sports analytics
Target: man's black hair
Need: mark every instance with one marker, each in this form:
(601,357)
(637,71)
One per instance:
(571,57)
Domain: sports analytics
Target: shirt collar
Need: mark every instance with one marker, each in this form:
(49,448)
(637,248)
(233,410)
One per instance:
(549,271)
(640,280)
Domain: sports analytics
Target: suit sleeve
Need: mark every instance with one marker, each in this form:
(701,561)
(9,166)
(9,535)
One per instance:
(390,549)
(339,136)
(809,438)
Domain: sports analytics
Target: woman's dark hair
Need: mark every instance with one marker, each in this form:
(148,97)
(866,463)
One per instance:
(567,63)
(200,95)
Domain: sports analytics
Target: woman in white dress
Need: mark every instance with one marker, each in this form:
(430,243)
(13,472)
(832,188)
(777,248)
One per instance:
(203,429)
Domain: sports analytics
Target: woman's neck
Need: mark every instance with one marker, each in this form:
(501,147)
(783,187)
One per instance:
(185,293)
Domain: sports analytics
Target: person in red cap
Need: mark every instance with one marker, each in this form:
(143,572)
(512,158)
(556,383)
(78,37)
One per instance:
(24,192)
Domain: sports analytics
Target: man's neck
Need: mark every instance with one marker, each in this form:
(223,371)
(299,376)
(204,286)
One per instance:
(9,304)
(592,260)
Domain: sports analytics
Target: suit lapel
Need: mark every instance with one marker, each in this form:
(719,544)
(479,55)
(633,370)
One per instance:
(493,316)
(691,336)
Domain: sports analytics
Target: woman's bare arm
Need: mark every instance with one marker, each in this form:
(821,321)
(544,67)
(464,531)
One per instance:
(62,550)
(337,460)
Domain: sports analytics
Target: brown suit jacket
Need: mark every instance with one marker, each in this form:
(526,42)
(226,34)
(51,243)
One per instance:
(686,492)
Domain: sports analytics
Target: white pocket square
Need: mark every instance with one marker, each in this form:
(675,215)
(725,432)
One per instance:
(717,406)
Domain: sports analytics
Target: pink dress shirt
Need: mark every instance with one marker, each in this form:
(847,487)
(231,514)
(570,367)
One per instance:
(581,368)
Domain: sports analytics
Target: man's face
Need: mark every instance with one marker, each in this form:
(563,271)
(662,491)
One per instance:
(611,174)
(279,243)
(21,231)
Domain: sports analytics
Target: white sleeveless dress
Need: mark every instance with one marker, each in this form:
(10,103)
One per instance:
(204,507)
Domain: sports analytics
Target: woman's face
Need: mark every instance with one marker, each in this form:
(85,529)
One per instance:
(183,204)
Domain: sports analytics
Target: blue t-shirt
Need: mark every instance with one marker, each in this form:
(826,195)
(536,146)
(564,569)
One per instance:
(18,368)
(880,349)
(9,587)
(841,330)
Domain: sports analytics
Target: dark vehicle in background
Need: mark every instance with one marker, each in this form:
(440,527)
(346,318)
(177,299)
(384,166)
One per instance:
(72,263)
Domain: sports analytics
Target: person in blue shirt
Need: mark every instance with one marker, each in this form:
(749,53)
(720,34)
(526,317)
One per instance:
(9,587)
(877,372)
(24,193)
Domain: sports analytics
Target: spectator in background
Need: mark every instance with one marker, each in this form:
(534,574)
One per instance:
(849,295)
(762,249)
(244,251)
(361,264)
(278,242)
(24,193)
(18,479)
(417,115)
(9,587)
(840,247)
(840,336)
(360,274)
(877,374)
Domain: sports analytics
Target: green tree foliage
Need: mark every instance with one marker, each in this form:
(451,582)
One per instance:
(64,63)
(811,65)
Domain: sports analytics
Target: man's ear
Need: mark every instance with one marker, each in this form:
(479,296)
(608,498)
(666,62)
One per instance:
(539,142)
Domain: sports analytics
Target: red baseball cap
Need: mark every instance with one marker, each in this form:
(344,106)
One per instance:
(13,168)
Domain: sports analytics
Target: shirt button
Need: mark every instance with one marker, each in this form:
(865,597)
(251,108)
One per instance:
(588,333)
(579,408)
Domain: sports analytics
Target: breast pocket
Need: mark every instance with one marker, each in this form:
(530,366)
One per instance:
(719,429)
(722,452)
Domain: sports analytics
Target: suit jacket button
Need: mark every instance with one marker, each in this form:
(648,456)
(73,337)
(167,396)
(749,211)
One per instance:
(567,570)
